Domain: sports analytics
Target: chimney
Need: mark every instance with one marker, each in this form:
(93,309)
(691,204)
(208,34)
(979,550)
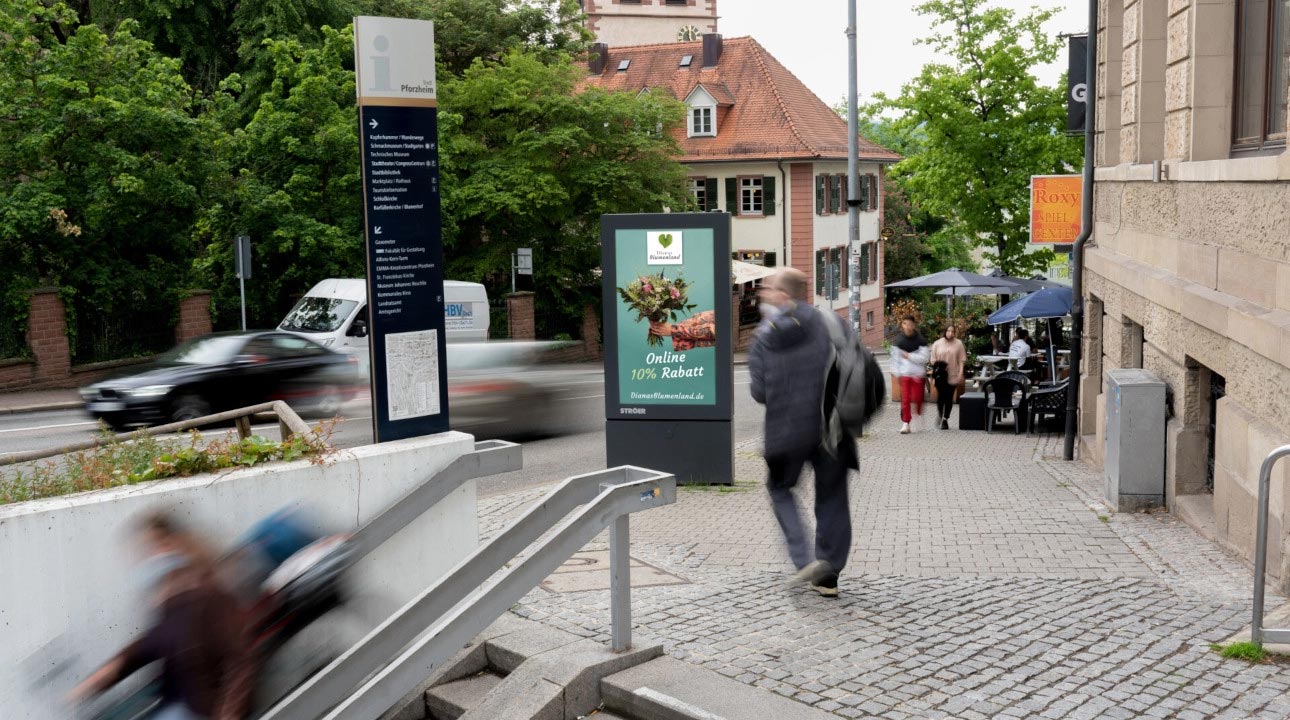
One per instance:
(599,58)
(711,49)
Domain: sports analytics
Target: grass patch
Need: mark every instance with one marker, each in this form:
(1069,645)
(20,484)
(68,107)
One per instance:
(1247,651)
(1104,518)
(142,458)
(737,487)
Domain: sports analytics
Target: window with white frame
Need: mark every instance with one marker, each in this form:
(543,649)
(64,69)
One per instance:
(701,122)
(750,196)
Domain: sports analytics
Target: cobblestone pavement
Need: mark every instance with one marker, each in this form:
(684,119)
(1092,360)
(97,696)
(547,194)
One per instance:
(986,580)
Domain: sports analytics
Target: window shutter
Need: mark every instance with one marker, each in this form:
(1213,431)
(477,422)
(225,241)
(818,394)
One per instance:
(820,192)
(864,264)
(843,180)
(873,193)
(873,261)
(865,192)
(820,257)
(732,196)
(710,194)
(768,195)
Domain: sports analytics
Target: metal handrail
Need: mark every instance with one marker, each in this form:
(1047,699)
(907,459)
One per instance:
(288,422)
(431,628)
(1258,634)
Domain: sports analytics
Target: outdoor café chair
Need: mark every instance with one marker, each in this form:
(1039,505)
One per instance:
(1005,395)
(1049,401)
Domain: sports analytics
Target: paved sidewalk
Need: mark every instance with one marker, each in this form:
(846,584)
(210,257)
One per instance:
(37,400)
(986,580)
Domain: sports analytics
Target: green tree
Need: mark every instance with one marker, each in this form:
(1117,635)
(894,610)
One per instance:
(294,182)
(104,161)
(530,161)
(984,124)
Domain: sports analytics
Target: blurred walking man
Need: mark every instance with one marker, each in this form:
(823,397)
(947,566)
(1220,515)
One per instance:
(789,363)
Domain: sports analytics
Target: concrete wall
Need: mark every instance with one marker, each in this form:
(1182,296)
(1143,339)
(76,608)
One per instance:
(66,567)
(1197,258)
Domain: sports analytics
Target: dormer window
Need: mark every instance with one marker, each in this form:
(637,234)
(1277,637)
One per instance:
(701,124)
(686,60)
(703,113)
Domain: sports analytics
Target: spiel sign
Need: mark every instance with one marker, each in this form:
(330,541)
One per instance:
(1056,202)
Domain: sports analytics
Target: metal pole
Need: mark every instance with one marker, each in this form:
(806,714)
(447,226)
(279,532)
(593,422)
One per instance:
(620,585)
(853,171)
(513,263)
(1085,232)
(1261,541)
(241,283)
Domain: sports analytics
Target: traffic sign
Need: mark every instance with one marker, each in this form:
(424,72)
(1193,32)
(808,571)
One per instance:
(524,261)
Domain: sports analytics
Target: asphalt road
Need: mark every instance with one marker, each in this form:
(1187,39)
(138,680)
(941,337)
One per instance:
(578,449)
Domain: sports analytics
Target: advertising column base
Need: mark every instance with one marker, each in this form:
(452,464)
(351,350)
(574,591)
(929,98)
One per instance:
(697,452)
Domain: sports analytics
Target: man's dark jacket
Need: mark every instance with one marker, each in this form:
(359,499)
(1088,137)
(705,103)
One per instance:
(788,363)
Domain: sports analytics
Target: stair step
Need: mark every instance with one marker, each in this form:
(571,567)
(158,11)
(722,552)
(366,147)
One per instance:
(452,700)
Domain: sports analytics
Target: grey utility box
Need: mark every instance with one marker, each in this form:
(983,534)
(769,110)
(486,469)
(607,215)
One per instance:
(1135,440)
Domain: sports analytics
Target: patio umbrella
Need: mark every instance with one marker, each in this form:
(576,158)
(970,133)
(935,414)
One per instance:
(1043,304)
(961,292)
(742,272)
(953,278)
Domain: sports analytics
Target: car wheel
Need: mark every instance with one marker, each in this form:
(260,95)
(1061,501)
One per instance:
(189,407)
(326,403)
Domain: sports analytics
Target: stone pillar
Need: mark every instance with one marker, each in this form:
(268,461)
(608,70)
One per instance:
(47,337)
(194,316)
(1143,76)
(591,332)
(1110,82)
(520,324)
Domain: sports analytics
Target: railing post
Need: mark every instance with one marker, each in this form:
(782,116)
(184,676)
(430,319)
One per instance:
(1261,540)
(620,584)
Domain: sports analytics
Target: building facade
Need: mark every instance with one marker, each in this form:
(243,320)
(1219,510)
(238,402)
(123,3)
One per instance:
(760,145)
(621,23)
(1188,269)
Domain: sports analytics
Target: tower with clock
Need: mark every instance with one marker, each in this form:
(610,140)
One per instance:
(620,23)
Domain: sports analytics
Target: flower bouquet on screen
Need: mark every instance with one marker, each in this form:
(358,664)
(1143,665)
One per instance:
(659,300)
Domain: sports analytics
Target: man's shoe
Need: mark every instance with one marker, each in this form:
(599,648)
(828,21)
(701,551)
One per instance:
(813,572)
(945,423)
(826,586)
(904,429)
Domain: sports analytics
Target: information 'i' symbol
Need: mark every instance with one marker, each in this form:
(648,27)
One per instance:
(381,64)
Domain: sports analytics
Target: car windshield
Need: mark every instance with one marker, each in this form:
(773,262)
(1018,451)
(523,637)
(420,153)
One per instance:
(317,314)
(204,351)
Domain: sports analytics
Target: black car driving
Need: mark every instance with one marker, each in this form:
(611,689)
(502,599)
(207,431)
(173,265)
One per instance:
(226,371)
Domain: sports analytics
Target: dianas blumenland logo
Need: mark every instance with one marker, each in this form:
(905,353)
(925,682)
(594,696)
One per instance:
(664,248)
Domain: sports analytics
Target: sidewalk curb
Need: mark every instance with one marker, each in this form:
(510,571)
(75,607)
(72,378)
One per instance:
(39,407)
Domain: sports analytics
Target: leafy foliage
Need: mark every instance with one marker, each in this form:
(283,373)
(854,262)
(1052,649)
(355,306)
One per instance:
(975,128)
(104,162)
(140,458)
(293,184)
(528,161)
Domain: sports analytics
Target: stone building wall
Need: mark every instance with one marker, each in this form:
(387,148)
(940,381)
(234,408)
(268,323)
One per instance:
(1188,270)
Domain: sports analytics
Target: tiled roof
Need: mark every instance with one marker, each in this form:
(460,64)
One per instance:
(771,114)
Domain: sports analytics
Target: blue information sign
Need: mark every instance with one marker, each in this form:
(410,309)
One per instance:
(399,128)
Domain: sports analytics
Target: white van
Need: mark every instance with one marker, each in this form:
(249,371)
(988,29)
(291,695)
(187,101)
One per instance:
(334,313)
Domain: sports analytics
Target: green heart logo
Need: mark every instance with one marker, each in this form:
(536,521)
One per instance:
(665,239)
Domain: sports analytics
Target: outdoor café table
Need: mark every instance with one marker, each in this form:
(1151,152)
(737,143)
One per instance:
(988,367)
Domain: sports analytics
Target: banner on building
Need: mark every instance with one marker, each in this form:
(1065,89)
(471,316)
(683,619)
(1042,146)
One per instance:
(1056,202)
(1077,84)
(399,139)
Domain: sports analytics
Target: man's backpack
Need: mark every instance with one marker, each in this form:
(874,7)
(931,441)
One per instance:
(860,391)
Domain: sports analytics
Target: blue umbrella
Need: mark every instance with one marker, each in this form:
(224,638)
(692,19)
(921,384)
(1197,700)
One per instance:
(1052,302)
(1047,303)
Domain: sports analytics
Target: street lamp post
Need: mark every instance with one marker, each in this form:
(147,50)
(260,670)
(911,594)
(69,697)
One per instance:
(853,173)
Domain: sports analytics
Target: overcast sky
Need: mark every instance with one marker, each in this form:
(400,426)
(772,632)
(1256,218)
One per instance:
(809,38)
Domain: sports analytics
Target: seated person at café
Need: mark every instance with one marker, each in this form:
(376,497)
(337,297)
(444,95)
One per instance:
(1020,351)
